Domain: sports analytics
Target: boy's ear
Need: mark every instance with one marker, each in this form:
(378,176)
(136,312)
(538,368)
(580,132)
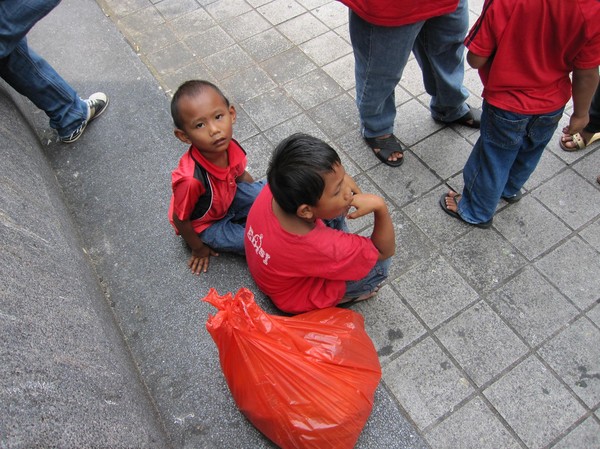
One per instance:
(181,135)
(233,113)
(305,212)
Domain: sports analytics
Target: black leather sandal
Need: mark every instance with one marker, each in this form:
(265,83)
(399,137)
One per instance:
(387,146)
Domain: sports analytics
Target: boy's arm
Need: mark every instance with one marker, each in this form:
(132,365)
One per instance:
(585,83)
(383,236)
(201,253)
(244,177)
(476,61)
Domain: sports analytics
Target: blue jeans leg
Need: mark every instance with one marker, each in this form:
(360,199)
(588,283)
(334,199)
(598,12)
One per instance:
(244,198)
(228,233)
(31,75)
(17,17)
(380,55)
(505,155)
(439,50)
(376,276)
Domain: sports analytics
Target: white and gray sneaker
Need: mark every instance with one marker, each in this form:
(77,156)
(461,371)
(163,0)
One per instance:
(96,105)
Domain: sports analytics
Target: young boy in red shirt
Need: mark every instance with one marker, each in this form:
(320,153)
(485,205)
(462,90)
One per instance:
(525,51)
(298,248)
(212,191)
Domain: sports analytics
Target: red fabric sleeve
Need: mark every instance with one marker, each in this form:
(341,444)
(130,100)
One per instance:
(186,192)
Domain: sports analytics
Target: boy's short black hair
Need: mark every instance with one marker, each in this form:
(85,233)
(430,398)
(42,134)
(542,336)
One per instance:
(191,88)
(296,170)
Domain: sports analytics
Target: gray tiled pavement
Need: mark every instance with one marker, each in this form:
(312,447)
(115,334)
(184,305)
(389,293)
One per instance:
(487,338)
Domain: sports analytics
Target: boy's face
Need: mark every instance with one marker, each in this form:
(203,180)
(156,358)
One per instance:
(207,122)
(336,197)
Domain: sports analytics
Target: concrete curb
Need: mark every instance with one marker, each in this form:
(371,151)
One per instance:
(67,378)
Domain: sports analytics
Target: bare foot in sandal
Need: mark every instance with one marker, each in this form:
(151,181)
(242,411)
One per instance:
(395,156)
(577,141)
(387,148)
(449,203)
(452,199)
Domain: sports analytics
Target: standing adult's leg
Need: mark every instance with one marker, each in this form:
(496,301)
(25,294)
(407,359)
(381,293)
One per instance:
(440,51)
(17,17)
(33,77)
(380,55)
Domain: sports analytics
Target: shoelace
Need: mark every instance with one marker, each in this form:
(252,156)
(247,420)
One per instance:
(77,131)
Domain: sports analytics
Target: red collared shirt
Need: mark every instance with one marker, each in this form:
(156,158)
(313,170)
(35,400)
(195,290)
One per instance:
(187,189)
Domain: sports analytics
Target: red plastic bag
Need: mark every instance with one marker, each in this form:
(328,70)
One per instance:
(306,381)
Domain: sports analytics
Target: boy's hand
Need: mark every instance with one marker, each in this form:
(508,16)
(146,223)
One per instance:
(366,203)
(198,263)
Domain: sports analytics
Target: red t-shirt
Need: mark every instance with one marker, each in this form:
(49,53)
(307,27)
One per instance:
(393,13)
(303,272)
(533,45)
(187,189)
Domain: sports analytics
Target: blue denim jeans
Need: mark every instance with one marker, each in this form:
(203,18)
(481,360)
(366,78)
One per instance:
(376,276)
(228,233)
(505,155)
(31,75)
(381,53)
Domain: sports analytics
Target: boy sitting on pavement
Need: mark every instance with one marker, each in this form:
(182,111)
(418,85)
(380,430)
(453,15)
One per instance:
(525,51)
(298,247)
(212,191)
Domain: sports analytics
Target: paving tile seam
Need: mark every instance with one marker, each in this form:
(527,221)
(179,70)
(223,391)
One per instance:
(572,427)
(400,407)
(564,383)
(479,390)
(476,394)
(567,168)
(431,331)
(132,38)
